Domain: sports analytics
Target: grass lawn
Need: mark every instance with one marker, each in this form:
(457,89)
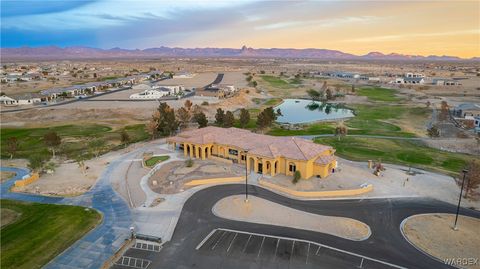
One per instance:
(156,159)
(277,82)
(311,129)
(75,139)
(273,101)
(396,151)
(379,94)
(42,232)
(369,120)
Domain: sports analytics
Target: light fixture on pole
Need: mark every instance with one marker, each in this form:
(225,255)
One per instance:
(246,177)
(465,171)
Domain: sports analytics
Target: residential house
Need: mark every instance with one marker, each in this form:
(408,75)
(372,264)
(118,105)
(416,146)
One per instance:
(467,111)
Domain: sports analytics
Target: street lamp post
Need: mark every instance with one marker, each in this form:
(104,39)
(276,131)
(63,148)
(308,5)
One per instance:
(465,171)
(246,177)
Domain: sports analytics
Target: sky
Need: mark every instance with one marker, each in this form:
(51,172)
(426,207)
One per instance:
(358,27)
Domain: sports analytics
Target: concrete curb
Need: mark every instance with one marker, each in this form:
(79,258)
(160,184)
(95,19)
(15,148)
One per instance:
(315,194)
(402,225)
(214,212)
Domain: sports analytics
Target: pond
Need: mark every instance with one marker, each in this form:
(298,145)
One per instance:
(303,111)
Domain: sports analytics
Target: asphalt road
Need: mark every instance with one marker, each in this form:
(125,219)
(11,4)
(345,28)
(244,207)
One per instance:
(382,215)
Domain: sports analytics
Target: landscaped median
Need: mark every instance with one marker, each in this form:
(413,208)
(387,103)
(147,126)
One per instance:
(316,194)
(434,235)
(262,211)
(220,180)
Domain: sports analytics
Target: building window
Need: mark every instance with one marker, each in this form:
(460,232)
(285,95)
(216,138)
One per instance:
(244,157)
(233,152)
(292,167)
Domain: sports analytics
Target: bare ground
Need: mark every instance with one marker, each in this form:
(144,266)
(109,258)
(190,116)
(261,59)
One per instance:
(172,176)
(258,210)
(8,216)
(433,234)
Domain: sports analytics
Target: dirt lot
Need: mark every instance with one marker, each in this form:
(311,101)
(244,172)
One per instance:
(433,234)
(171,178)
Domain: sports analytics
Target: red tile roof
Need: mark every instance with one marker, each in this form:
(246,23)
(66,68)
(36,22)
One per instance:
(258,144)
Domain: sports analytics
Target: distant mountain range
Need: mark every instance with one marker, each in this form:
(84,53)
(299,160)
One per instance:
(78,52)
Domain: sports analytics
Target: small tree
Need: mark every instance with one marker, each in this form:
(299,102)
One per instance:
(167,123)
(36,162)
(443,111)
(433,131)
(329,94)
(189,163)
(96,146)
(12,146)
(124,138)
(296,176)
(229,119)
(201,119)
(220,117)
(315,95)
(152,125)
(472,177)
(184,116)
(341,131)
(188,105)
(80,160)
(262,121)
(52,140)
(244,117)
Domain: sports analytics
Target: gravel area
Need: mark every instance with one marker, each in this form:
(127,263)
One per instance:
(258,210)
(172,176)
(433,234)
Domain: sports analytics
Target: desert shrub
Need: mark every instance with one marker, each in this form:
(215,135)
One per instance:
(296,177)
(205,103)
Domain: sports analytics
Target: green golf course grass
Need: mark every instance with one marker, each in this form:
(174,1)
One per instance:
(156,159)
(278,82)
(379,94)
(368,120)
(395,151)
(42,232)
(75,139)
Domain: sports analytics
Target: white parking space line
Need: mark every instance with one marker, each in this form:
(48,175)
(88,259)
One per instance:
(308,252)
(276,248)
(231,243)
(205,239)
(147,247)
(311,242)
(133,262)
(316,253)
(261,246)
(245,247)
(219,239)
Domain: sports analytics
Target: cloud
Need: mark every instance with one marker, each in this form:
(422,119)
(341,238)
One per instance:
(35,7)
(330,22)
(385,38)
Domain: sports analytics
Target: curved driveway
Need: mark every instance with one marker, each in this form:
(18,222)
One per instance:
(92,250)
(382,215)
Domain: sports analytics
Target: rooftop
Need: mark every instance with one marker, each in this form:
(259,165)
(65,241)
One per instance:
(258,144)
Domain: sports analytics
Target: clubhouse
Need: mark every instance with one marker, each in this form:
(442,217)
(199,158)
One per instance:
(268,155)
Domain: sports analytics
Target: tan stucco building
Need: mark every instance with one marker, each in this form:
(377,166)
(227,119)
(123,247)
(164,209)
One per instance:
(264,154)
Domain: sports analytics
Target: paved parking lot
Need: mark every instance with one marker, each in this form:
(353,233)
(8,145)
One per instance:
(138,256)
(280,252)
